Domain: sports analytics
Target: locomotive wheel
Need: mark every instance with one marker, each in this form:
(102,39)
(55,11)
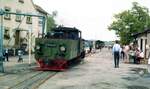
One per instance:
(65,66)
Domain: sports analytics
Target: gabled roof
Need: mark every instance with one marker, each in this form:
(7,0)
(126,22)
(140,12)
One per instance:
(40,9)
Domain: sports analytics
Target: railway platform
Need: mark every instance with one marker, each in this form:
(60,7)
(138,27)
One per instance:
(13,65)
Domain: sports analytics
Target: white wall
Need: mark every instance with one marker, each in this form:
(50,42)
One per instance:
(26,7)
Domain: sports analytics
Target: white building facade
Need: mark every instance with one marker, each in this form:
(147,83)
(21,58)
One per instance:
(17,27)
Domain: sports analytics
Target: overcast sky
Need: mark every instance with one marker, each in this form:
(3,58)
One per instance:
(92,17)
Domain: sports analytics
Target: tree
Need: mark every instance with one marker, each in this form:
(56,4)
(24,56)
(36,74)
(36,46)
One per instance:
(130,22)
(51,21)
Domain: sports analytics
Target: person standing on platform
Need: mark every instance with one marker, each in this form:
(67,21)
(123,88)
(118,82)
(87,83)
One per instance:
(126,51)
(20,53)
(122,53)
(116,52)
(6,54)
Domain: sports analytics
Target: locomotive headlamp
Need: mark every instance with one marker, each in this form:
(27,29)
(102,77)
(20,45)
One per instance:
(62,48)
(37,47)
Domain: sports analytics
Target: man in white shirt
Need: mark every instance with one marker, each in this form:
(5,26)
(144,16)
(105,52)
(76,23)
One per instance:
(116,52)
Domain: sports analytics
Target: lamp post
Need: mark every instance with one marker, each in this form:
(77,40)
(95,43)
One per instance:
(30,48)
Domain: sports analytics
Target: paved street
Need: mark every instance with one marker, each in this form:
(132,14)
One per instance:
(98,72)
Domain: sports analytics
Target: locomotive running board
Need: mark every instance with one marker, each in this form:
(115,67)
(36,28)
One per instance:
(50,69)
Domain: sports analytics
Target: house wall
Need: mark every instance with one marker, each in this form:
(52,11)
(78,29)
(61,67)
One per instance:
(26,7)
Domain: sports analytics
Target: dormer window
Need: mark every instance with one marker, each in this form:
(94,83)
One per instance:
(21,1)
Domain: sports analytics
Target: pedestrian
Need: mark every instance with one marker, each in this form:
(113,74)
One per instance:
(116,52)
(139,56)
(20,59)
(126,52)
(122,53)
(6,54)
(90,49)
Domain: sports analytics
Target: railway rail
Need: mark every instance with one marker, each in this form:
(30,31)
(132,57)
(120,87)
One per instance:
(33,82)
(26,78)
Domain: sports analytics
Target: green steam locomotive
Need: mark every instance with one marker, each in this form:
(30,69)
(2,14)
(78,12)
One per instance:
(59,48)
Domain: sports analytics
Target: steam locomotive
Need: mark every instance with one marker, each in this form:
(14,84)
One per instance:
(59,48)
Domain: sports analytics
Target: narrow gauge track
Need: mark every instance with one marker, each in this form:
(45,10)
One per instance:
(7,73)
(33,82)
(16,71)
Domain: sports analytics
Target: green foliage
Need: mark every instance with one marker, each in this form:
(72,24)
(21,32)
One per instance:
(130,22)
(50,23)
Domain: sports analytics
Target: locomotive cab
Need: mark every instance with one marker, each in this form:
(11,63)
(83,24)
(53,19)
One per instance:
(64,33)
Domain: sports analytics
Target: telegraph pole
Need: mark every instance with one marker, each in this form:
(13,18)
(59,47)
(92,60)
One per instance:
(30,44)
(43,26)
(1,41)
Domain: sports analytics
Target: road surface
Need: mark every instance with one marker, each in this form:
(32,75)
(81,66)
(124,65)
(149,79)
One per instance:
(98,72)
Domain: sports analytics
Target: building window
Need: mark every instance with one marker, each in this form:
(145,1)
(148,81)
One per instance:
(40,21)
(18,17)
(29,20)
(21,1)
(6,33)
(7,16)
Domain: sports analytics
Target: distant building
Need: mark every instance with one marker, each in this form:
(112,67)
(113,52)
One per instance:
(16,27)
